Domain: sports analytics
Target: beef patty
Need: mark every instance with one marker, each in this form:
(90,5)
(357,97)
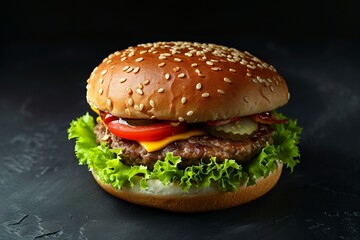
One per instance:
(192,150)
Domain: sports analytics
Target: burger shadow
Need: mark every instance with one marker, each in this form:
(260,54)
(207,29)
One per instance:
(296,196)
(263,213)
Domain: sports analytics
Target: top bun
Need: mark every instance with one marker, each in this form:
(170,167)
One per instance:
(184,81)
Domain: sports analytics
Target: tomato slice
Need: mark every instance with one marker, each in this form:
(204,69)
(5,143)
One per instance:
(151,132)
(145,133)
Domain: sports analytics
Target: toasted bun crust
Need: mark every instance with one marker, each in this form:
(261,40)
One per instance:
(180,81)
(172,198)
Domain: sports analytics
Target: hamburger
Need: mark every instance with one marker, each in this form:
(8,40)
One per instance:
(186,126)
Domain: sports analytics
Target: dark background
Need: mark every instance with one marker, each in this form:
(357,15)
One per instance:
(47,51)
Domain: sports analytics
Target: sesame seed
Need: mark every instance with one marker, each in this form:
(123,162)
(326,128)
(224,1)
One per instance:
(103,72)
(108,61)
(215,68)
(251,66)
(123,59)
(189,113)
(221,91)
(198,86)
(123,80)
(277,82)
(227,80)
(161,64)
(194,65)
(105,59)
(177,59)
(101,80)
(127,111)
(139,59)
(140,86)
(108,102)
(201,75)
(101,91)
(181,119)
(152,117)
(129,69)
(246,99)
(141,107)
(126,68)
(176,69)
(248,74)
(139,91)
(243,62)
(199,53)
(167,76)
(232,70)
(181,75)
(152,103)
(189,54)
(166,54)
(136,107)
(142,52)
(112,67)
(129,91)
(117,53)
(183,100)
(209,63)
(136,70)
(162,57)
(205,95)
(161,90)
(130,101)
(146,82)
(271,88)
(131,54)
(272,68)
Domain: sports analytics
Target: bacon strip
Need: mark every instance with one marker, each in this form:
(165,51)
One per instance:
(267,118)
(264,118)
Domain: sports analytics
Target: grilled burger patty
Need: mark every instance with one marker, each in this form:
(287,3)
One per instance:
(192,150)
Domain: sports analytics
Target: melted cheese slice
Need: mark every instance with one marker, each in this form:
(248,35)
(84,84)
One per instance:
(152,146)
(95,109)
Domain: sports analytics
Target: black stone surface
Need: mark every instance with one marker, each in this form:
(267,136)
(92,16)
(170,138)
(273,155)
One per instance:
(46,195)
(49,48)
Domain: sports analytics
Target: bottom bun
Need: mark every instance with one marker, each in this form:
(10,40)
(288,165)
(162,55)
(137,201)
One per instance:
(172,198)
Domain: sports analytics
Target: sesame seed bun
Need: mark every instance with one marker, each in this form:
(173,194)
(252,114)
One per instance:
(172,198)
(185,81)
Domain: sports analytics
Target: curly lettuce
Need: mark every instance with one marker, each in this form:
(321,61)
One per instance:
(228,175)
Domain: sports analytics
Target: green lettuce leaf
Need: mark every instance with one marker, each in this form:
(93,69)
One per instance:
(227,175)
(284,150)
(101,159)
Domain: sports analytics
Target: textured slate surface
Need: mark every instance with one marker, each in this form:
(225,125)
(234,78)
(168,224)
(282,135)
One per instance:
(44,194)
